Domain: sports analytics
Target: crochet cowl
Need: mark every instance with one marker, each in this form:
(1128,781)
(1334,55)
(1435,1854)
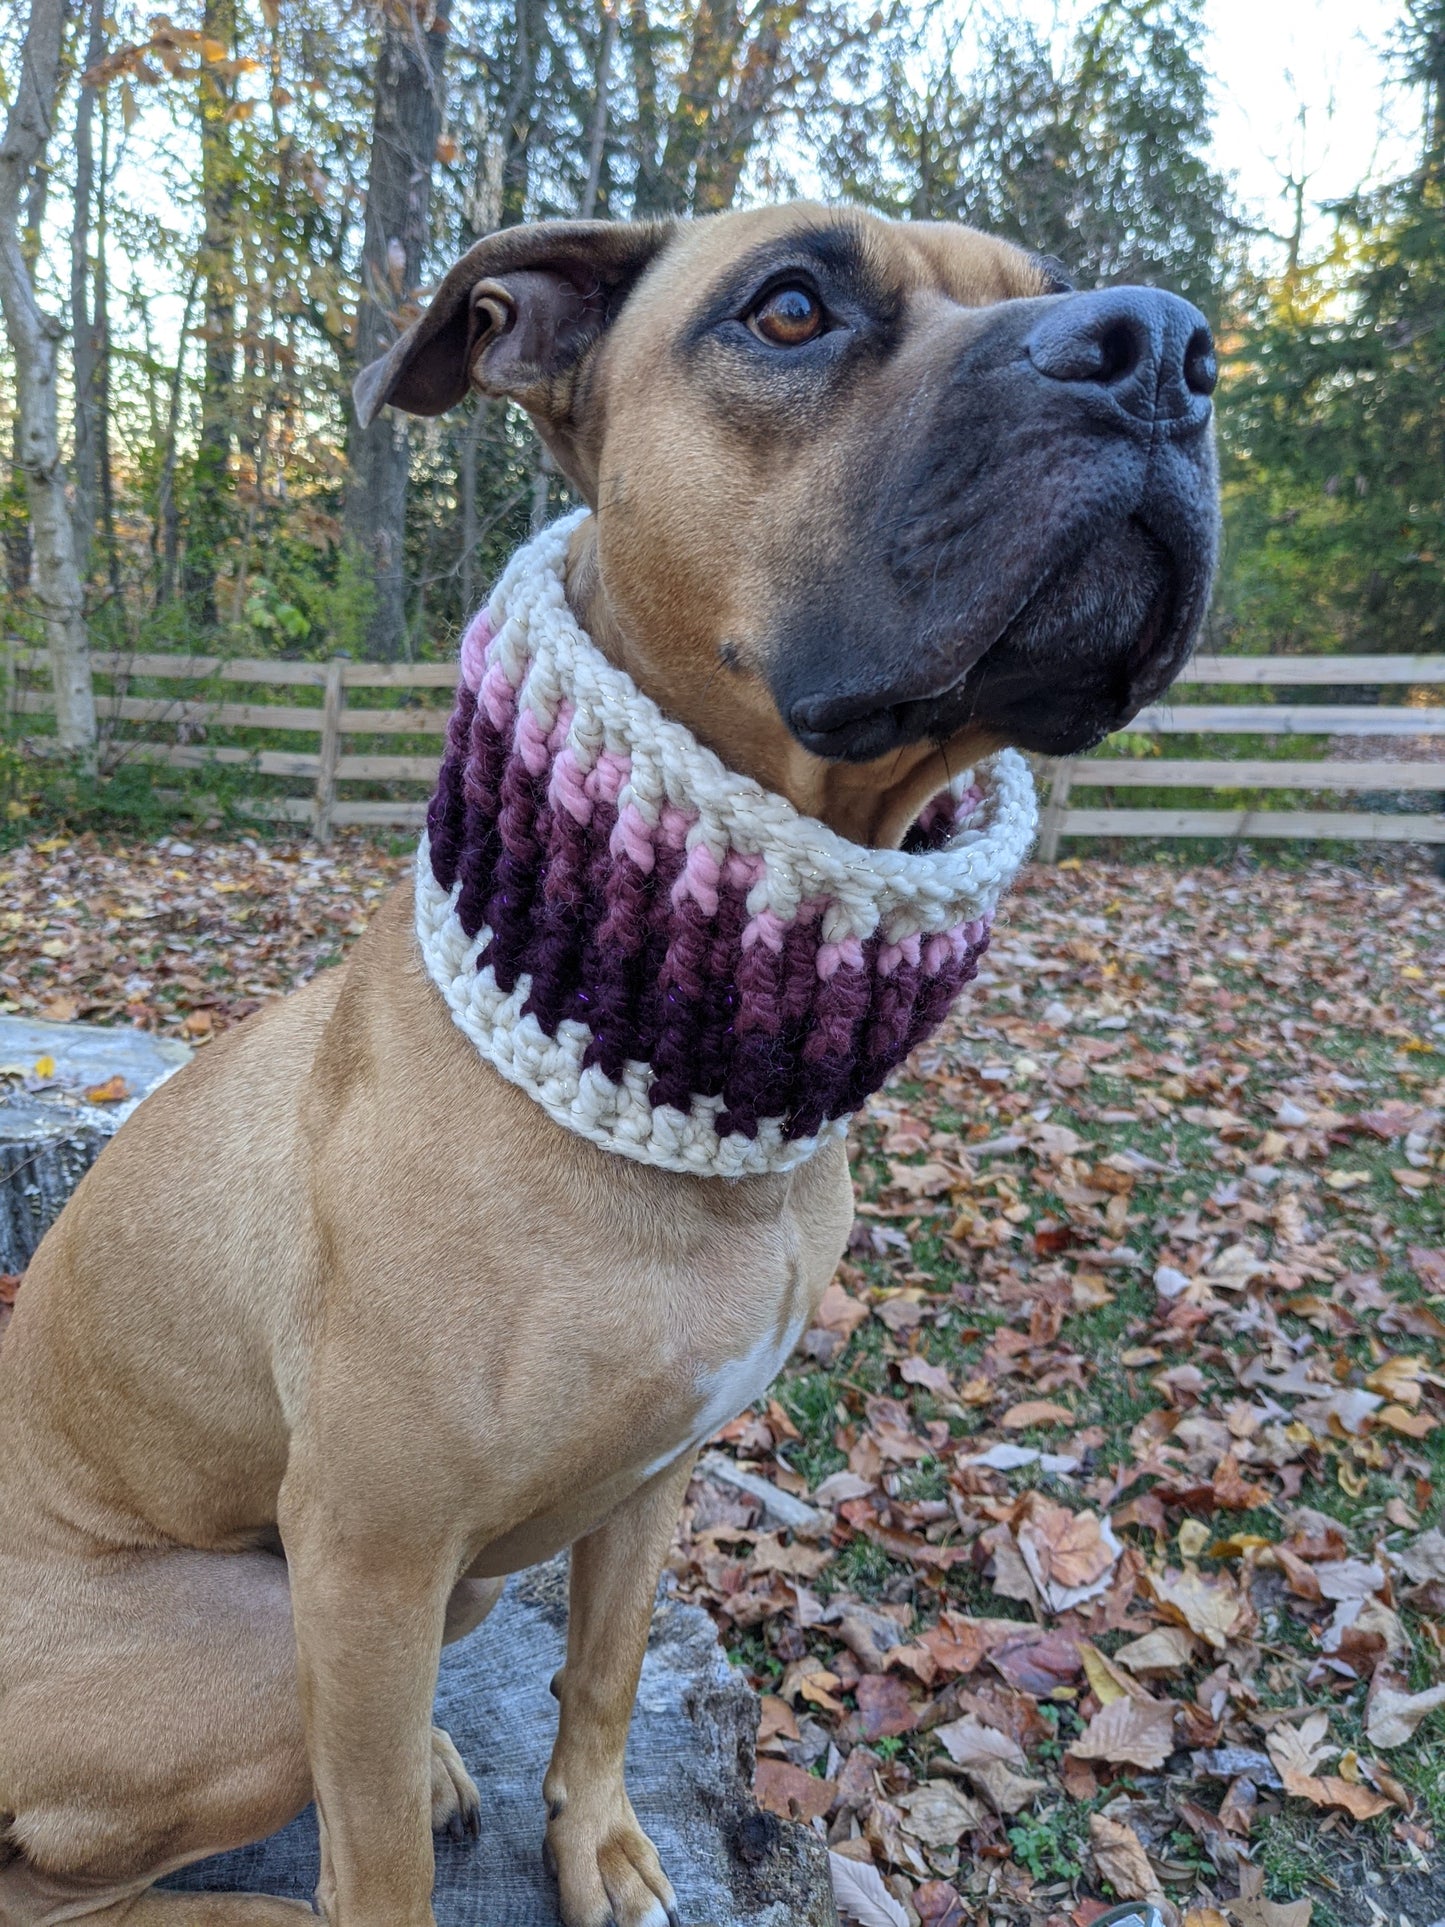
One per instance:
(668,957)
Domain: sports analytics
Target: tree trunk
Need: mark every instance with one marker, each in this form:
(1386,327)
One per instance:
(467,485)
(166,540)
(405,127)
(83,327)
(597,139)
(649,194)
(100,314)
(33,336)
(211,478)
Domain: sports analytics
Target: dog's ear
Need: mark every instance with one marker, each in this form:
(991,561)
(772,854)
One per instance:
(515,317)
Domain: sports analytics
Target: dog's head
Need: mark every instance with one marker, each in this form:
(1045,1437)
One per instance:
(871,497)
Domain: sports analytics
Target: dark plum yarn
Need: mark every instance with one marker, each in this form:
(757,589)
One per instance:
(648,943)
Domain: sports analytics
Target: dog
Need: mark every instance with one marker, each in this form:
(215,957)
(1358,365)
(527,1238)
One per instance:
(343,1327)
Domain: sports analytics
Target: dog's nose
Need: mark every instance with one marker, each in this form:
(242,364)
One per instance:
(1139,349)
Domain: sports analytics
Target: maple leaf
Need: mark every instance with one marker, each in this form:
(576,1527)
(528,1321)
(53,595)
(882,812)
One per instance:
(1251,1909)
(1069,1556)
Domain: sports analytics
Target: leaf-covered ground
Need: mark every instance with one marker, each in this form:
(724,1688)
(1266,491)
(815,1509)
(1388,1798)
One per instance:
(1090,1548)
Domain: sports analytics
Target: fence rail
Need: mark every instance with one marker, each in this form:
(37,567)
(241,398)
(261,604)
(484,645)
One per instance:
(161,729)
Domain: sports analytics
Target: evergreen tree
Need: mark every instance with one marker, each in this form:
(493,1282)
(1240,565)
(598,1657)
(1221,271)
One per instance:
(1336,482)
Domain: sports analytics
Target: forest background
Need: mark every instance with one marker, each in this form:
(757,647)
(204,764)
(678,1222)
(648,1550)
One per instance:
(209,220)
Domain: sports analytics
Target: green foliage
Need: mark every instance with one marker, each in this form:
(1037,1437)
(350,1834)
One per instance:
(1335,422)
(1098,158)
(1051,1845)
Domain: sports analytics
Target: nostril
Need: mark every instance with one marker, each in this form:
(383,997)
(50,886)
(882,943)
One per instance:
(1120,351)
(1201,366)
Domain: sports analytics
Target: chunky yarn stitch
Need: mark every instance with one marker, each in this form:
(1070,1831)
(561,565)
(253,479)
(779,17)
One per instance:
(671,959)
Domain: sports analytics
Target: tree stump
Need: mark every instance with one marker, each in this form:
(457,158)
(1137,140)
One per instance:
(49,1135)
(689,1769)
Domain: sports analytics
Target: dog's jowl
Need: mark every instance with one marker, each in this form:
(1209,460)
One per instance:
(483,1233)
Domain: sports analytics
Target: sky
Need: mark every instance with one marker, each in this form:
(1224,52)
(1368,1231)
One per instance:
(1274,60)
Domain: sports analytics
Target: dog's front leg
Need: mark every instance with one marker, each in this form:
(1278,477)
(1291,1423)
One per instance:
(369,1608)
(607,1870)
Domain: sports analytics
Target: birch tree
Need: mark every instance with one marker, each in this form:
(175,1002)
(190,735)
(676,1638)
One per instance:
(34,335)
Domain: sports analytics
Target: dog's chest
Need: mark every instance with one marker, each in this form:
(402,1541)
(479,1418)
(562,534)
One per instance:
(718,1389)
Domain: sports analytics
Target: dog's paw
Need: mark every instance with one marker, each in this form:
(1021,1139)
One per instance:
(607,1872)
(456,1806)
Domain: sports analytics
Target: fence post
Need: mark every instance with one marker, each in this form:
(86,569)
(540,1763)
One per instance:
(1051,822)
(331,708)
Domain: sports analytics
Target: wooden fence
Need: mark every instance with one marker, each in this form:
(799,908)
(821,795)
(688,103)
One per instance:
(377,705)
(1062,778)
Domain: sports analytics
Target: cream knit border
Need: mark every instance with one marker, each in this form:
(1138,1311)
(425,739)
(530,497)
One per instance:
(548,658)
(619,1117)
(544,654)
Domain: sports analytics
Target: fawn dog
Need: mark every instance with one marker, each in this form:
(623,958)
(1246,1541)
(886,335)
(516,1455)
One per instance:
(344,1327)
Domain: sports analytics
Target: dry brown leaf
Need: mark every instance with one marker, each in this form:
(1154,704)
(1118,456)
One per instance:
(1251,1909)
(1214,1608)
(838,1311)
(1392,1715)
(938,1814)
(1165,1650)
(1331,1791)
(791,1792)
(1129,1732)
(1035,1411)
(969,1743)
(1300,1749)
(1120,1859)
(1069,1556)
(1007,1792)
(1398,1379)
(114,1090)
(861,1897)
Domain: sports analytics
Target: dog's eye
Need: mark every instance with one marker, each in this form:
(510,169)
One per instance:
(788,317)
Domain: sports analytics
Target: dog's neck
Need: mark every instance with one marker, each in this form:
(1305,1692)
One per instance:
(873,804)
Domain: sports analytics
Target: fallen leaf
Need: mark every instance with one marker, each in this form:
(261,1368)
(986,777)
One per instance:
(1391,1715)
(838,1311)
(1300,1749)
(861,1896)
(933,1378)
(938,1905)
(1069,1556)
(1166,1650)
(1129,1732)
(938,1814)
(791,1792)
(1357,1801)
(1037,1411)
(884,1707)
(969,1743)
(1213,1608)
(114,1090)
(1120,1859)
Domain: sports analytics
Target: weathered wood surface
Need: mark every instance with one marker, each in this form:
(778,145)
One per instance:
(49,1136)
(690,1765)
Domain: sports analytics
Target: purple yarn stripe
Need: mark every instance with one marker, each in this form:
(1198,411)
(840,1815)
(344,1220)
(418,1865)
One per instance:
(618,925)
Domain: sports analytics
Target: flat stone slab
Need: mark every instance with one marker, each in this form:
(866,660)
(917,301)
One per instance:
(49,1134)
(689,1772)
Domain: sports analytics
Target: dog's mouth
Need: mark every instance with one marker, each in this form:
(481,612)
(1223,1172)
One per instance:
(1085,649)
